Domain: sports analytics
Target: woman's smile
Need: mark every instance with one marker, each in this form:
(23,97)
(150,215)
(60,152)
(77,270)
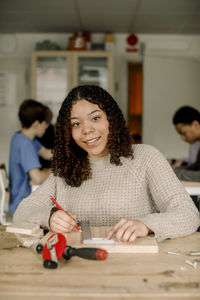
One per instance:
(92,142)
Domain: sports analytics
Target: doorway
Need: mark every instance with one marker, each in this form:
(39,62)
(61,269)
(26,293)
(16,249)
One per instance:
(135,101)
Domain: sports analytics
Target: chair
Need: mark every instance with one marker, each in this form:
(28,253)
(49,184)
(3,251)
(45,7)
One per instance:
(4,195)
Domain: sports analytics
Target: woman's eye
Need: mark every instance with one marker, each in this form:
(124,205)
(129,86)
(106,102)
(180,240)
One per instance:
(75,124)
(96,118)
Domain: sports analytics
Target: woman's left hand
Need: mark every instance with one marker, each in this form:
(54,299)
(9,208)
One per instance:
(128,230)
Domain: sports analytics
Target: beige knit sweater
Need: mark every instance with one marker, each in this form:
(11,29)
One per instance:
(143,188)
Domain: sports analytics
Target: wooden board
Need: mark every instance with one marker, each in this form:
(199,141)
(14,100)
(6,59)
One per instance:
(120,276)
(24,228)
(27,241)
(141,245)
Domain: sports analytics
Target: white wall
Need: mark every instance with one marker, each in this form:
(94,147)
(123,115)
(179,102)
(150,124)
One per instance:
(171,79)
(170,82)
(178,55)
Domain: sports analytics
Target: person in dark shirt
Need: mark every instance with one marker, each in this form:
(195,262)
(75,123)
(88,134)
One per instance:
(47,140)
(187,123)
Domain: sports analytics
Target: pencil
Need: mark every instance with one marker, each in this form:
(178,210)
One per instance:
(58,206)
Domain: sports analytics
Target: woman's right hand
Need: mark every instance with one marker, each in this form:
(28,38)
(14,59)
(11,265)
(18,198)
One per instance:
(62,221)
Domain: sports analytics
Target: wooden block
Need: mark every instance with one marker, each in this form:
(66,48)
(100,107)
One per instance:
(141,245)
(24,228)
(99,241)
(75,237)
(38,233)
(27,241)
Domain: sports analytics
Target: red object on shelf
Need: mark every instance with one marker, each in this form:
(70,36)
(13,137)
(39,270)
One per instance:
(77,42)
(132,39)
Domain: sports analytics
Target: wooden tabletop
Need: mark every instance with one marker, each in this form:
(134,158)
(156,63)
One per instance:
(121,276)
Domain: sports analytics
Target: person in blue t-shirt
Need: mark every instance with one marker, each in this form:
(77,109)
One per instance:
(24,164)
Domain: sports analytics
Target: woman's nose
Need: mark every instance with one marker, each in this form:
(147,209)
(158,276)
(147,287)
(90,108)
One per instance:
(87,128)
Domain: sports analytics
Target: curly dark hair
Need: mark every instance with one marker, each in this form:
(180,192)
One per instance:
(69,160)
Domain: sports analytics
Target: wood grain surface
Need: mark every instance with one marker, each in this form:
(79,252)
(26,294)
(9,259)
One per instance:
(121,276)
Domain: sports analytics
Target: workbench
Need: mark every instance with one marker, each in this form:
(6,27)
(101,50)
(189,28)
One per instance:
(122,276)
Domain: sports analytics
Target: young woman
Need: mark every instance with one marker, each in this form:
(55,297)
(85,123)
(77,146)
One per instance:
(98,175)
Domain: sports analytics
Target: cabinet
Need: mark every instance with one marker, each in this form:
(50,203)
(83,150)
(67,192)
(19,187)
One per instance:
(55,73)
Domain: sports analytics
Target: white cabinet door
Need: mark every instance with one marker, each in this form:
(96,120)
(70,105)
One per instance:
(93,68)
(51,77)
(55,73)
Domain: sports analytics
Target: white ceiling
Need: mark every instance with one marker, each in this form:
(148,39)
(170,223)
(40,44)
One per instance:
(121,16)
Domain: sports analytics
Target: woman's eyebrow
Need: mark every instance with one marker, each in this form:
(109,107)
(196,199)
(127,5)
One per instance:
(92,112)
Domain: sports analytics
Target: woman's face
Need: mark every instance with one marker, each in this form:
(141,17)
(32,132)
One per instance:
(90,128)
